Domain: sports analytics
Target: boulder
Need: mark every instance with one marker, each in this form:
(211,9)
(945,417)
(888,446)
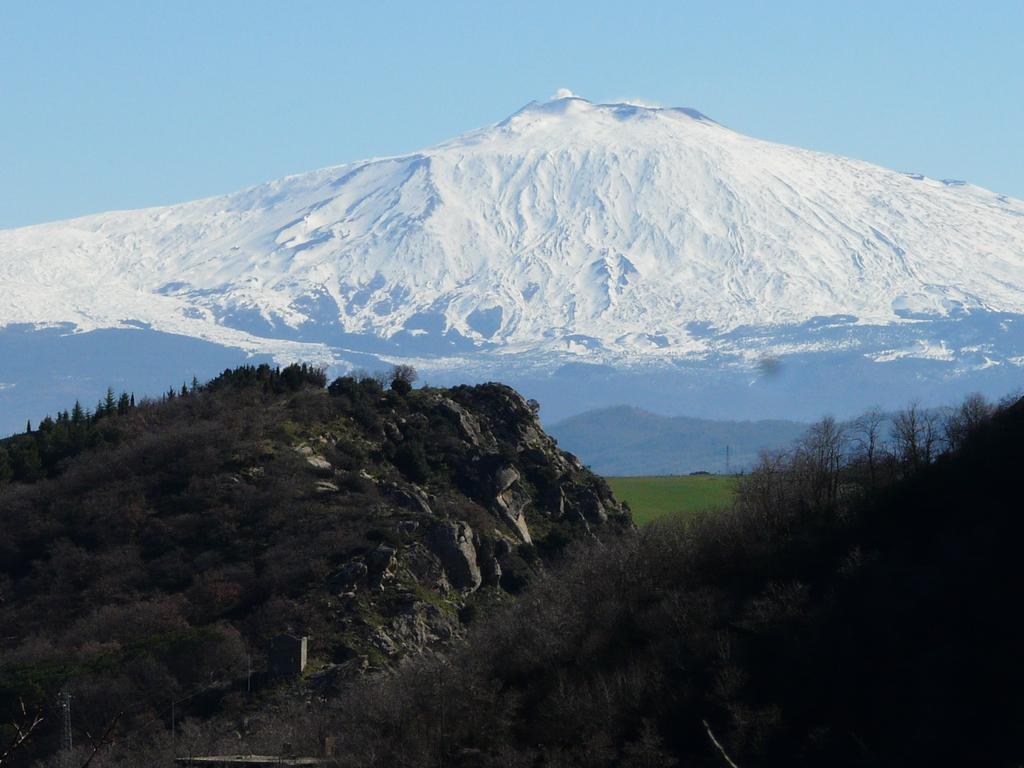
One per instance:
(504,478)
(452,542)
(320,464)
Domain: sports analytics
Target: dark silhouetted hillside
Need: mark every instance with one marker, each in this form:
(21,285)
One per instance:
(819,623)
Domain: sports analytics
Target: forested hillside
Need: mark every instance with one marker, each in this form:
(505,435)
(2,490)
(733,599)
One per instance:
(148,552)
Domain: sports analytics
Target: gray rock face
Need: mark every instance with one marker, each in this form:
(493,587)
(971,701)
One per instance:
(594,509)
(425,567)
(452,542)
(509,502)
(469,427)
(422,624)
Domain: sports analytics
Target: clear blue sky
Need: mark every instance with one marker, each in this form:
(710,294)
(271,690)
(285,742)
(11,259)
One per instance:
(125,104)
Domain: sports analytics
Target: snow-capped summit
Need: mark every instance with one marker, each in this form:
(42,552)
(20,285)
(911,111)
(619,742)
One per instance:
(615,233)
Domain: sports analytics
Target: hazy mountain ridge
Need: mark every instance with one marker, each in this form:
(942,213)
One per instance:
(623,440)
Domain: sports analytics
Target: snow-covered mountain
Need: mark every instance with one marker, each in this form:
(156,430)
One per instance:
(618,234)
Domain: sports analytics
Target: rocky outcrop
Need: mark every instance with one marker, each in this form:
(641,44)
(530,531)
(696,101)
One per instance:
(425,568)
(466,494)
(412,498)
(421,624)
(452,542)
(510,502)
(468,425)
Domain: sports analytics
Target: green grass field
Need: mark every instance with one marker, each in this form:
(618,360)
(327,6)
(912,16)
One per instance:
(652,498)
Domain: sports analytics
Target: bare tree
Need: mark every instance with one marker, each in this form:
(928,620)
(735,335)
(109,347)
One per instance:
(764,492)
(917,434)
(974,410)
(404,373)
(931,435)
(105,740)
(402,378)
(907,436)
(23,730)
(820,455)
(866,432)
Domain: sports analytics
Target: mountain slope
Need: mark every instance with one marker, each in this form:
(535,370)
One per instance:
(570,231)
(617,222)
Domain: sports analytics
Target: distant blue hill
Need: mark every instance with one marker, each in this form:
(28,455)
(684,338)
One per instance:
(43,371)
(630,441)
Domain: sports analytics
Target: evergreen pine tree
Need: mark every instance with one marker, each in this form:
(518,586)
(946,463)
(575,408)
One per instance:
(77,414)
(109,403)
(28,426)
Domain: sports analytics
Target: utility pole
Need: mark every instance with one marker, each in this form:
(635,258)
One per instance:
(66,739)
